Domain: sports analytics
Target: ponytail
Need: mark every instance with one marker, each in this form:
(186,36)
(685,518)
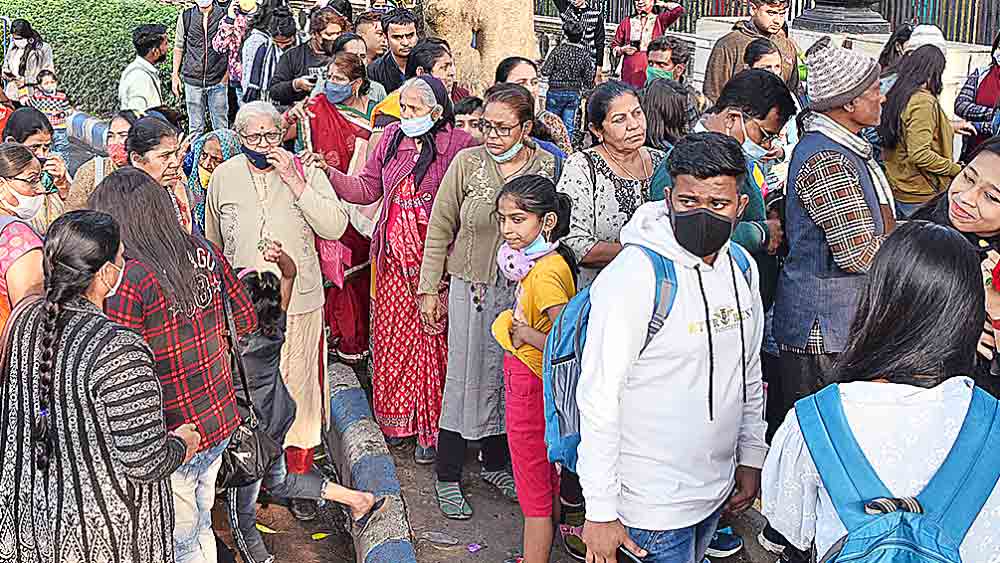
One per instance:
(77,246)
(537,195)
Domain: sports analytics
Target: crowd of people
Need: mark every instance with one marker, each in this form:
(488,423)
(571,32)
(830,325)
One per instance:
(791,258)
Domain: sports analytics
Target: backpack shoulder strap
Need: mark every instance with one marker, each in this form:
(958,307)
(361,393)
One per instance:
(834,449)
(964,482)
(666,292)
(742,258)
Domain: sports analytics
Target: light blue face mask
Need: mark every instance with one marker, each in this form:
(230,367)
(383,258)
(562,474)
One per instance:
(507,155)
(538,246)
(416,126)
(755,152)
(337,93)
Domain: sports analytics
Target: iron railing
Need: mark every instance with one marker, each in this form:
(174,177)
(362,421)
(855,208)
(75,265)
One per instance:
(964,21)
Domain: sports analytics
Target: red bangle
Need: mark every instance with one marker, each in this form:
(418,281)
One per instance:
(995,324)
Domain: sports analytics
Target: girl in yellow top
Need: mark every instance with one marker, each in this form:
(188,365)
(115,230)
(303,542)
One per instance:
(533,217)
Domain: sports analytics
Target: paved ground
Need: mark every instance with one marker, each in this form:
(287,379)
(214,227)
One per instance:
(496,523)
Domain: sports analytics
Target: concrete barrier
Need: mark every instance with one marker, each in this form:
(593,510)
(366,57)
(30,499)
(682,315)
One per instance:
(363,461)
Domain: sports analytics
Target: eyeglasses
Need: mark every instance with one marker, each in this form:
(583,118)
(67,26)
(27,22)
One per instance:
(765,135)
(32,181)
(501,130)
(272,138)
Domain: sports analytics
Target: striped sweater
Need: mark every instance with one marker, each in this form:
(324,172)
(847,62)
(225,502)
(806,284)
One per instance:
(591,16)
(106,493)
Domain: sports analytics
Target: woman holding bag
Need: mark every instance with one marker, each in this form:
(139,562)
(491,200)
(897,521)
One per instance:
(171,294)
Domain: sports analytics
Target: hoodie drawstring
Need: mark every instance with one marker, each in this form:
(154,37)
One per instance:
(711,349)
(739,317)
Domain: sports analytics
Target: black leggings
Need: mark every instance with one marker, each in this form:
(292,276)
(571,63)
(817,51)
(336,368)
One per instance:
(451,455)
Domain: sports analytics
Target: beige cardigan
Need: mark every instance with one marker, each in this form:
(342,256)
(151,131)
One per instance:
(463,232)
(236,216)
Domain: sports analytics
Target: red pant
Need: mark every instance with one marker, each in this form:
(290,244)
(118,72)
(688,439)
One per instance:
(535,478)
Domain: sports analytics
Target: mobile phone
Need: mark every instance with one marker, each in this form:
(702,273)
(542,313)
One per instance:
(626,556)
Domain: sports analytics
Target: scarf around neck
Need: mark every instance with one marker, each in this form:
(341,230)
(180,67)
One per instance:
(819,123)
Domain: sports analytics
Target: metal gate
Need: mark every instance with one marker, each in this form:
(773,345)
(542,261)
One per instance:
(964,21)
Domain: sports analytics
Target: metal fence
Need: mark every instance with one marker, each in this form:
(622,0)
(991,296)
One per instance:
(965,21)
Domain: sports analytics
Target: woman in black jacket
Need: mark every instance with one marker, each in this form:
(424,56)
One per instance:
(972,206)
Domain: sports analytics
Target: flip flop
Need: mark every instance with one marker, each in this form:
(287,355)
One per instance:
(361,524)
(503,482)
(452,502)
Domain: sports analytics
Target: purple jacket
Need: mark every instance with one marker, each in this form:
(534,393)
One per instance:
(377,181)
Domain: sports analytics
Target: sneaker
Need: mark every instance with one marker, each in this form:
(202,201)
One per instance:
(724,544)
(424,456)
(571,530)
(772,541)
(302,509)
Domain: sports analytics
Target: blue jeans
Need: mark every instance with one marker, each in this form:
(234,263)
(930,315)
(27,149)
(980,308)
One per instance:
(241,504)
(193,486)
(563,103)
(217,98)
(686,545)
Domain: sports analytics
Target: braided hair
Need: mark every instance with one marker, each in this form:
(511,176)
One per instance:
(77,246)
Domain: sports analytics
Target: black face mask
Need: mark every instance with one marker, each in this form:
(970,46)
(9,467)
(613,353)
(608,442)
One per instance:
(700,231)
(160,60)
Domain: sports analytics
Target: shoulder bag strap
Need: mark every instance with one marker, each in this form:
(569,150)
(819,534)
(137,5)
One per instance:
(231,336)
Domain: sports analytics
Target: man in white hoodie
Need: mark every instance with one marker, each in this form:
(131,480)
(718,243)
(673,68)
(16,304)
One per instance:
(673,434)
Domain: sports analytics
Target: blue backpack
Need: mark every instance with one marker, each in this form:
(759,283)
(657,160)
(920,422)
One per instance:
(881,529)
(563,355)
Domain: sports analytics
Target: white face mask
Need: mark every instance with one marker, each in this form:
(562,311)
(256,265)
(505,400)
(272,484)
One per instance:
(118,280)
(27,206)
(20,43)
(996,57)
(203,3)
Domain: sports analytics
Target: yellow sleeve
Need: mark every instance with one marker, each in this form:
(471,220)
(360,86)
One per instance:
(501,330)
(552,287)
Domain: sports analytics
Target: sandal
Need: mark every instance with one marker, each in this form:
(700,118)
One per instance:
(361,524)
(503,481)
(452,502)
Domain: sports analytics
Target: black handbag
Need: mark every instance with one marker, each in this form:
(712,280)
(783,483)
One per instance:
(251,450)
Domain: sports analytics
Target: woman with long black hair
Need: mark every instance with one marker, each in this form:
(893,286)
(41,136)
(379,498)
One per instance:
(171,292)
(86,449)
(917,137)
(904,395)
(27,56)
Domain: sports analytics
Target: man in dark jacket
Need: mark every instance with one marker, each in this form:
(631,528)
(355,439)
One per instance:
(767,20)
(199,71)
(300,68)
(400,29)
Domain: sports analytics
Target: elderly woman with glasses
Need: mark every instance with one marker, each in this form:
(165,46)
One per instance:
(268,195)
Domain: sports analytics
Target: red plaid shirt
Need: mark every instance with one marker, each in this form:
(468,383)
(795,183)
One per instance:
(191,351)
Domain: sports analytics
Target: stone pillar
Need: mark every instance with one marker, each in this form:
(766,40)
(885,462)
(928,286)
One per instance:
(842,16)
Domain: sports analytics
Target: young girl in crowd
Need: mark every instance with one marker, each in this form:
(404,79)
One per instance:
(533,217)
(275,407)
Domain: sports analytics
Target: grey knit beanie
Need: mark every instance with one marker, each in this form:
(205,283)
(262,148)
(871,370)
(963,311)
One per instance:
(837,75)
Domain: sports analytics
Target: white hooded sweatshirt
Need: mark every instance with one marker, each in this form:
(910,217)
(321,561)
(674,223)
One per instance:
(662,432)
